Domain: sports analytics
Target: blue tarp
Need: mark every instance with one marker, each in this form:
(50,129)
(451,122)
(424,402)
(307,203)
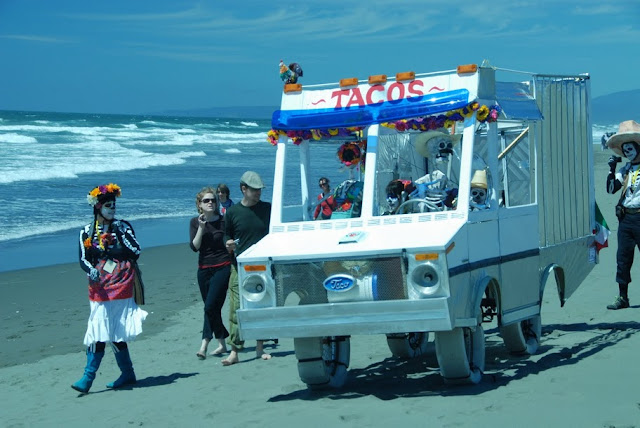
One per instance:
(516,101)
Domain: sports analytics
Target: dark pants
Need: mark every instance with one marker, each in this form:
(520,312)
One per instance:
(100,346)
(213,284)
(628,240)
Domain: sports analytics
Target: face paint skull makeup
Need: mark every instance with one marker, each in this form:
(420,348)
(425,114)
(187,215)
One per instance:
(630,151)
(108,210)
(393,202)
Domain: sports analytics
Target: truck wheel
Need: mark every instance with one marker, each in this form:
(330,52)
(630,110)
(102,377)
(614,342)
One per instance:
(322,361)
(408,345)
(461,355)
(523,338)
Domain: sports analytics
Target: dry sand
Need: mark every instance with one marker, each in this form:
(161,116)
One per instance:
(584,375)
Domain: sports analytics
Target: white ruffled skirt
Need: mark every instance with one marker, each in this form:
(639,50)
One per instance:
(114,321)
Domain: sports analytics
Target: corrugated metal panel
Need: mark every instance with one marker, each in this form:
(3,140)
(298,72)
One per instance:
(563,142)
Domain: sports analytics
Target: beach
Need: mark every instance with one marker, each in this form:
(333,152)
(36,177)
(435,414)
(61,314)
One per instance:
(584,374)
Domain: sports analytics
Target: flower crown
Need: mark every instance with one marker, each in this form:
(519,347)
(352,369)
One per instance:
(92,197)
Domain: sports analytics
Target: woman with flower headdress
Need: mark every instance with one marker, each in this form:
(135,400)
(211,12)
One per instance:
(108,253)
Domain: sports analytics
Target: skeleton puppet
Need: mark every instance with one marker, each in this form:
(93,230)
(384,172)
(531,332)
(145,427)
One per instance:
(479,189)
(437,147)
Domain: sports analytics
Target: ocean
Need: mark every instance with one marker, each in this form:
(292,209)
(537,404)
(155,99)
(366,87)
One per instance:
(50,161)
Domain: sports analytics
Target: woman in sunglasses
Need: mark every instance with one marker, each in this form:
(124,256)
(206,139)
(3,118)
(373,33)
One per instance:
(206,234)
(108,253)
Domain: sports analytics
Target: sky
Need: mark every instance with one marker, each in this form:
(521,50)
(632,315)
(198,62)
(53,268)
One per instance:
(146,56)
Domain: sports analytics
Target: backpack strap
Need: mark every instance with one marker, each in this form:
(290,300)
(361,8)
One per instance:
(625,185)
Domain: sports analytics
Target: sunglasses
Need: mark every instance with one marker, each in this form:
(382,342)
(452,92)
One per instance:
(208,200)
(323,183)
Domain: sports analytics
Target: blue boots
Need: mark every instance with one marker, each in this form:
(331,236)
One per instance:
(123,359)
(127,377)
(93,362)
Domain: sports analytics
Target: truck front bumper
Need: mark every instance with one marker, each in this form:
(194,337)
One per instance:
(345,319)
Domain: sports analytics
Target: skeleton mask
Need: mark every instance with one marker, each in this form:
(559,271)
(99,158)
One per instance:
(630,150)
(441,148)
(478,195)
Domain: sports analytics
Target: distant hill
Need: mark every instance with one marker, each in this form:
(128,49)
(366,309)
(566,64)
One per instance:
(605,110)
(615,108)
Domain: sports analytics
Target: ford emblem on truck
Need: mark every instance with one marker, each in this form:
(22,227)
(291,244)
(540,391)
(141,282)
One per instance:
(339,283)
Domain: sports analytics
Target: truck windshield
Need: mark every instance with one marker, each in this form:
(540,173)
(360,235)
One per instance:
(414,173)
(417,172)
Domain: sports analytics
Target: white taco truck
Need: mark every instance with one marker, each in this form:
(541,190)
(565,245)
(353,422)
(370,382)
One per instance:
(458,196)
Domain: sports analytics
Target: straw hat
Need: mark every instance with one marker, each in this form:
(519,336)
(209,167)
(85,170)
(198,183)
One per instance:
(421,141)
(479,179)
(628,131)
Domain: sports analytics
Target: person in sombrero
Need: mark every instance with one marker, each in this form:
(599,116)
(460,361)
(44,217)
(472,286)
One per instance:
(625,142)
(108,252)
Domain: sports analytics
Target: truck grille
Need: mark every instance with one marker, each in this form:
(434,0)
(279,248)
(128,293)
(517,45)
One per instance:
(376,279)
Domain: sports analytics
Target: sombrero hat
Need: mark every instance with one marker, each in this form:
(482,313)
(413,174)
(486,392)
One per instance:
(422,140)
(628,131)
(479,179)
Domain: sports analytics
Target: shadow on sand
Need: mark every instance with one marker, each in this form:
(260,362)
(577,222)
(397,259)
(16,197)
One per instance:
(394,378)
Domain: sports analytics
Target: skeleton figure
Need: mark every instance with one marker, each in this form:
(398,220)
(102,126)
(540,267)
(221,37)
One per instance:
(478,196)
(437,147)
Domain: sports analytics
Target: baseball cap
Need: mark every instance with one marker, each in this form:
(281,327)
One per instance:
(252,179)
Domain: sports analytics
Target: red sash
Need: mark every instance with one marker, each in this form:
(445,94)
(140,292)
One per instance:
(116,285)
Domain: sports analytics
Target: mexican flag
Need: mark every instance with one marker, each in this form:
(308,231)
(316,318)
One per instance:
(601,231)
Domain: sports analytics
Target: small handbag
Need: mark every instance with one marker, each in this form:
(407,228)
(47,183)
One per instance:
(138,285)
(620,211)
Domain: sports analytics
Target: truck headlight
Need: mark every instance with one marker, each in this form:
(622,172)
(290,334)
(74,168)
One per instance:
(256,285)
(254,288)
(425,280)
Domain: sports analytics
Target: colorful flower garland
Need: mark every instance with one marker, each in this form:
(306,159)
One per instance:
(350,154)
(430,123)
(427,123)
(312,134)
(104,240)
(92,197)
